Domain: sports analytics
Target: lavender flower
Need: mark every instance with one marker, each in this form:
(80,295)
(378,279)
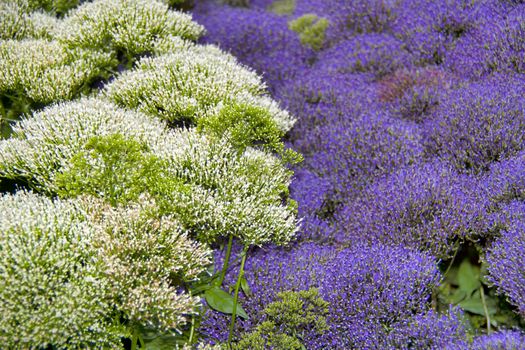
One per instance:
(369,288)
(379,54)
(257,38)
(503,340)
(430,28)
(506,260)
(478,124)
(350,152)
(430,331)
(428,207)
(494,44)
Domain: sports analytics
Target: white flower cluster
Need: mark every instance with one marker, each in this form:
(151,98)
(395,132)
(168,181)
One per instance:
(17,23)
(52,289)
(230,193)
(46,59)
(191,84)
(66,265)
(44,143)
(44,71)
(141,256)
(137,202)
(127,25)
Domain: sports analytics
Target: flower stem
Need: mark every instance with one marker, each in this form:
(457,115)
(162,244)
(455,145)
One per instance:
(134,339)
(236,295)
(485,309)
(226,261)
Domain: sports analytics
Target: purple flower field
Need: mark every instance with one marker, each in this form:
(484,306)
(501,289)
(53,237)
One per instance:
(262,174)
(411,121)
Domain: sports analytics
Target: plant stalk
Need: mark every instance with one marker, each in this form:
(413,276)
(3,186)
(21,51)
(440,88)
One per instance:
(236,296)
(485,309)
(226,261)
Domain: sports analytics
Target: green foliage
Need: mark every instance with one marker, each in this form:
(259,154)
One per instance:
(465,286)
(287,321)
(244,126)
(223,302)
(59,7)
(311,30)
(282,7)
(114,168)
(267,336)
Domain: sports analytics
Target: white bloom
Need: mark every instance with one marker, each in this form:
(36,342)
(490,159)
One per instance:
(45,71)
(190,83)
(128,25)
(230,193)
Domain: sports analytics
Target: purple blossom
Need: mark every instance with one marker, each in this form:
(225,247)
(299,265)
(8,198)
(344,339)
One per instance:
(258,38)
(479,123)
(428,207)
(349,153)
(505,181)
(370,289)
(379,54)
(502,340)
(430,28)
(495,44)
(430,331)
(506,260)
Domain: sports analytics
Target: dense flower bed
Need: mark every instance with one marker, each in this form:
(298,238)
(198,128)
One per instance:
(152,195)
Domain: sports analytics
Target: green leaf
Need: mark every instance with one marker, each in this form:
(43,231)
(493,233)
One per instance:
(468,277)
(221,301)
(457,296)
(245,287)
(475,305)
(165,342)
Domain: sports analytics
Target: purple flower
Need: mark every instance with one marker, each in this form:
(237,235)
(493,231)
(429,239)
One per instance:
(428,207)
(258,38)
(495,44)
(502,340)
(369,288)
(430,331)
(506,260)
(351,152)
(479,123)
(378,54)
